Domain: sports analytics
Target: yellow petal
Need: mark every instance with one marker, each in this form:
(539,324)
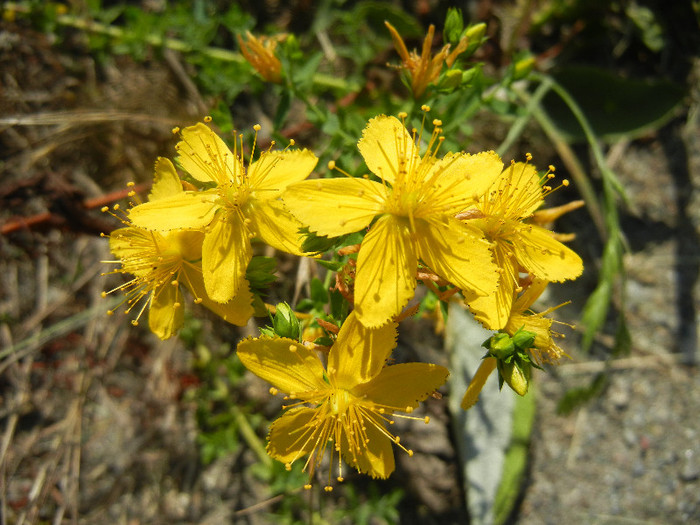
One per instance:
(471,396)
(275,170)
(166,181)
(387,147)
(530,295)
(237,311)
(515,194)
(376,456)
(287,364)
(206,157)
(274,225)
(290,435)
(459,180)
(226,253)
(458,253)
(542,255)
(386,271)
(190,210)
(165,318)
(493,310)
(335,207)
(402,387)
(359,353)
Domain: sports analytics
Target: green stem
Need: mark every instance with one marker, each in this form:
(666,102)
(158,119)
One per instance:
(519,125)
(250,437)
(574,166)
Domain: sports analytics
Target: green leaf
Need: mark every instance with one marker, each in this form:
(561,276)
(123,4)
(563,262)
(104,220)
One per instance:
(615,106)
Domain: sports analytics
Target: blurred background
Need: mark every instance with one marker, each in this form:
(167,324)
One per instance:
(103,422)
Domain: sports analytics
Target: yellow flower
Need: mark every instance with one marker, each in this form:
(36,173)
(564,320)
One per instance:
(260,53)
(162,263)
(415,205)
(351,400)
(242,205)
(518,246)
(425,69)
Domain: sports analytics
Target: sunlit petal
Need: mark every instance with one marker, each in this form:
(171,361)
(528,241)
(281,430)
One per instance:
(386,271)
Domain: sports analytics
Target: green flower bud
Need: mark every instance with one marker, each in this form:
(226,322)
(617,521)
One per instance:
(523,340)
(523,67)
(453,25)
(475,37)
(451,80)
(516,374)
(501,346)
(285,323)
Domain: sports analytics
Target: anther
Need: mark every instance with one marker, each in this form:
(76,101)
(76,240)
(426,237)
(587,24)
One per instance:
(331,164)
(402,115)
(340,479)
(410,453)
(565,182)
(207,119)
(437,122)
(307,486)
(175,130)
(328,488)
(528,157)
(292,348)
(257,127)
(134,323)
(426,419)
(287,466)
(273,391)
(104,209)
(425,108)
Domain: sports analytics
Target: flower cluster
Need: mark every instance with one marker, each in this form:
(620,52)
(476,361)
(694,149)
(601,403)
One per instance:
(460,223)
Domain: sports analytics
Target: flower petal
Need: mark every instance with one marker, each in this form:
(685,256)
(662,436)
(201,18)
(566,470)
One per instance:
(188,210)
(274,225)
(166,181)
(206,157)
(493,310)
(387,147)
(402,387)
(237,311)
(287,364)
(374,457)
(359,353)
(165,318)
(335,207)
(515,194)
(542,255)
(275,170)
(386,271)
(459,180)
(458,253)
(226,253)
(289,437)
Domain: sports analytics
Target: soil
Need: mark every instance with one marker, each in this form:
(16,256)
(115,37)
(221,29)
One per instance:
(98,421)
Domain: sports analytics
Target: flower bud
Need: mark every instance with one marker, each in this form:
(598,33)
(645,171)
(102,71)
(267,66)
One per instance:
(453,25)
(451,80)
(501,346)
(475,37)
(516,374)
(523,340)
(285,323)
(523,67)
